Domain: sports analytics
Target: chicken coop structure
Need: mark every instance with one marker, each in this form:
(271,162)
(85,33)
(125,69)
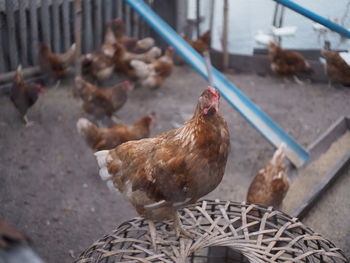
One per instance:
(25,23)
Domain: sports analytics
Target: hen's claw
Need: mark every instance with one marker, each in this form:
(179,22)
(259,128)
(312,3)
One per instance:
(27,122)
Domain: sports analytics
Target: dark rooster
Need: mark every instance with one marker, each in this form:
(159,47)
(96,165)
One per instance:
(24,95)
(162,174)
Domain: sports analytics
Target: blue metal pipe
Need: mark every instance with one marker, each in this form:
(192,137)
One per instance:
(315,17)
(235,97)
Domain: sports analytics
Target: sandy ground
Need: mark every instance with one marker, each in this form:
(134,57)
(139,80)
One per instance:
(50,188)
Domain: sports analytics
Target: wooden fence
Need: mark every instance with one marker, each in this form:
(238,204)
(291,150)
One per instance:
(23,23)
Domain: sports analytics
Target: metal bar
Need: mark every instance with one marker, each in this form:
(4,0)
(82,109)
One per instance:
(234,96)
(56,26)
(11,29)
(66,24)
(2,59)
(211,19)
(88,42)
(98,23)
(315,17)
(34,31)
(23,35)
(45,22)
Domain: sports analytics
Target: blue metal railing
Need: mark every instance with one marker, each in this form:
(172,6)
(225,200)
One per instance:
(315,17)
(235,97)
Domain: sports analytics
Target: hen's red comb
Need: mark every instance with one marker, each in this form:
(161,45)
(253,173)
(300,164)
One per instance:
(117,20)
(127,84)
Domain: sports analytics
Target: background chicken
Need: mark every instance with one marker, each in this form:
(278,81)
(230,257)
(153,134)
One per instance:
(154,74)
(23,94)
(109,37)
(131,44)
(109,138)
(270,185)
(102,102)
(56,65)
(122,59)
(162,174)
(201,44)
(286,62)
(99,64)
(336,68)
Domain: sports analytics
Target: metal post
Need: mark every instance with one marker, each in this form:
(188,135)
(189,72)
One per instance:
(315,17)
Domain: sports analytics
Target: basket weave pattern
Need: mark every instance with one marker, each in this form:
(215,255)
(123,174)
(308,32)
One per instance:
(261,234)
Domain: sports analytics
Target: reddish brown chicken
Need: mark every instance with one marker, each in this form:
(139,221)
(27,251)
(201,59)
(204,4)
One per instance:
(102,102)
(108,138)
(286,62)
(159,175)
(336,68)
(56,65)
(201,44)
(270,185)
(154,74)
(24,95)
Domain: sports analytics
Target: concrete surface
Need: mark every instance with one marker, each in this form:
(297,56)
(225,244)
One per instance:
(50,188)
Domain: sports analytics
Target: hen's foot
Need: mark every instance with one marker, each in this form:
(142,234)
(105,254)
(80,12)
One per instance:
(298,81)
(27,122)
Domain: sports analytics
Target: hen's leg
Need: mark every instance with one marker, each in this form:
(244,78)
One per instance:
(27,122)
(179,229)
(298,81)
(153,233)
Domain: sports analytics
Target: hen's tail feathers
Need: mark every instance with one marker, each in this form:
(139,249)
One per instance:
(279,155)
(145,44)
(102,158)
(69,57)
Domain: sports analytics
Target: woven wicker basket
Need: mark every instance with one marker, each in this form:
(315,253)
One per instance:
(257,233)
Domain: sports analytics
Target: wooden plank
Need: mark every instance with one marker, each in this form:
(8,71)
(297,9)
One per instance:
(66,24)
(77,35)
(45,22)
(33,31)
(107,10)
(23,35)
(321,188)
(87,29)
(11,29)
(136,24)
(56,26)
(98,23)
(127,20)
(119,7)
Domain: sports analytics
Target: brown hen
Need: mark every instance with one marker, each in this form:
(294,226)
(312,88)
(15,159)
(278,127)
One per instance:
(56,65)
(154,74)
(286,62)
(162,174)
(336,68)
(201,44)
(270,185)
(102,102)
(108,138)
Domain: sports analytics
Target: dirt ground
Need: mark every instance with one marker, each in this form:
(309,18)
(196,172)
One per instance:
(50,187)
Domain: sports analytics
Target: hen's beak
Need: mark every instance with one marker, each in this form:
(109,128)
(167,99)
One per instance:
(215,98)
